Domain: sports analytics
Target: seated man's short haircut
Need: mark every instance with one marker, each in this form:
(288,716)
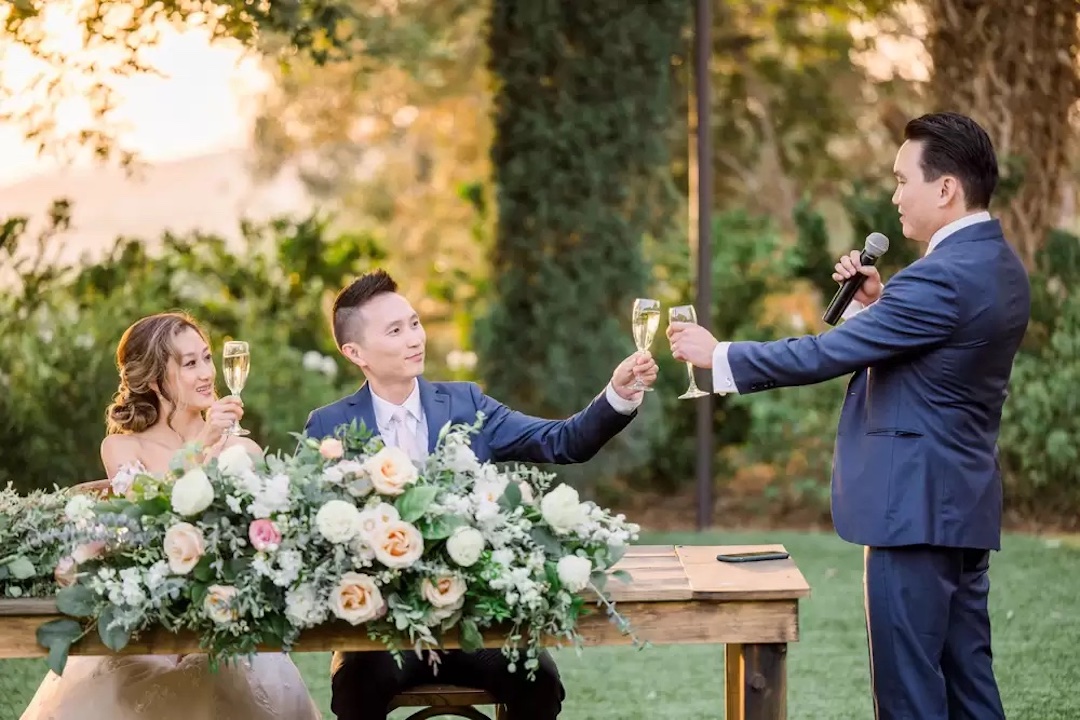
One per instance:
(352,298)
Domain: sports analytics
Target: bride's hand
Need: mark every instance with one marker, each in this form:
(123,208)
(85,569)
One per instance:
(219,418)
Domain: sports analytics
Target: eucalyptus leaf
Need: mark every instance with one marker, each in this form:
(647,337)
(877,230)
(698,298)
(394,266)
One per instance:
(546,540)
(203,572)
(441,527)
(415,501)
(115,638)
(57,636)
(76,601)
(511,497)
(21,568)
(470,636)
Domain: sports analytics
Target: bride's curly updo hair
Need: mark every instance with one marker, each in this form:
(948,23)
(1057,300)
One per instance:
(142,357)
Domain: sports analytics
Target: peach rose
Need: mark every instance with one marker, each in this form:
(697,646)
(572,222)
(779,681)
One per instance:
(66,571)
(218,603)
(331,448)
(447,591)
(88,551)
(397,544)
(357,599)
(184,546)
(390,471)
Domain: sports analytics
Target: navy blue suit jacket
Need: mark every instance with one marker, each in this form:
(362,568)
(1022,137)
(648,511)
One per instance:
(916,448)
(505,436)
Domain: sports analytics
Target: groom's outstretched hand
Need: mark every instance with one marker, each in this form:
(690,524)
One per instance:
(639,366)
(691,343)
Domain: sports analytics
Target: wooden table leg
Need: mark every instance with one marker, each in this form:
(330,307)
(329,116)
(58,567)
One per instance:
(755,679)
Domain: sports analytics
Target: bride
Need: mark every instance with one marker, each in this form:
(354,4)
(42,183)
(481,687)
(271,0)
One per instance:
(166,400)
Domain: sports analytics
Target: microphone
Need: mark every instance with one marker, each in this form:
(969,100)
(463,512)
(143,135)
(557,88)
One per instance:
(876,246)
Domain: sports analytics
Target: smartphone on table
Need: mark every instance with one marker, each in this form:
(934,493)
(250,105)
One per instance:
(752,556)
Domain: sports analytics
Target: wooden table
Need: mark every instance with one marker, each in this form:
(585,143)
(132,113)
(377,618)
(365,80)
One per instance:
(677,595)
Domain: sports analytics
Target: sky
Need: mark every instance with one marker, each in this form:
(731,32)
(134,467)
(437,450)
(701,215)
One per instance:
(204,102)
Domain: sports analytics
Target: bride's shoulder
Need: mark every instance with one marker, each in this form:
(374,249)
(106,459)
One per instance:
(120,451)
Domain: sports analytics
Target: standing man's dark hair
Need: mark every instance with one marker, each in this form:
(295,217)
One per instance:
(353,297)
(954,144)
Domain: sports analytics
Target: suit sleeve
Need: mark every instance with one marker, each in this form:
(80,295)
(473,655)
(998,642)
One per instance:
(313,428)
(918,310)
(517,437)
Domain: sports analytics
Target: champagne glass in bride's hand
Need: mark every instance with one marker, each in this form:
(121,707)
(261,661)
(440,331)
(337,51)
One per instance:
(645,322)
(687,314)
(236,361)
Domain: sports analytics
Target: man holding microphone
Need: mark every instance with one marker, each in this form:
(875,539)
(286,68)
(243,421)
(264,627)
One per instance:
(915,474)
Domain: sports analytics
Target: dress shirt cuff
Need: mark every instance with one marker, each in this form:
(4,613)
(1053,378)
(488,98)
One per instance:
(854,308)
(723,381)
(620,404)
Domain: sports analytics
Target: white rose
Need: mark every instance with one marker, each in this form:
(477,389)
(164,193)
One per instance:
(562,510)
(574,572)
(356,598)
(397,544)
(372,518)
(526,492)
(235,460)
(302,606)
(184,546)
(338,521)
(465,546)
(390,471)
(447,591)
(192,493)
(490,489)
(460,458)
(80,507)
(218,603)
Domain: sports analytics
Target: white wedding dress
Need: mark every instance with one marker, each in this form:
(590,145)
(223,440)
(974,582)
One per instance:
(173,687)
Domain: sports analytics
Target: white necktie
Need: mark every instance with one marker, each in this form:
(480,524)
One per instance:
(404,438)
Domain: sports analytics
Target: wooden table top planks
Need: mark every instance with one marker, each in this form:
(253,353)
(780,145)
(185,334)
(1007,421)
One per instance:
(676,595)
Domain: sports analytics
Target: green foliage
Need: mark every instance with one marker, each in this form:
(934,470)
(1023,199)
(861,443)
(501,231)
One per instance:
(1040,427)
(59,330)
(583,102)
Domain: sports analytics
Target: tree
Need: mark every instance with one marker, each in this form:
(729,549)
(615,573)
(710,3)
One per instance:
(112,35)
(1013,67)
(582,174)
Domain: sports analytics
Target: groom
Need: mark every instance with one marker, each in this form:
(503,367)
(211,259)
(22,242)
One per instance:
(379,331)
(915,473)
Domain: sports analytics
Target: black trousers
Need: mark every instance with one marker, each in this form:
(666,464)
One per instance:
(364,683)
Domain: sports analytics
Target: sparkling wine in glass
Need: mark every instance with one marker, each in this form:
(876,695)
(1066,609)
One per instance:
(645,322)
(687,314)
(236,361)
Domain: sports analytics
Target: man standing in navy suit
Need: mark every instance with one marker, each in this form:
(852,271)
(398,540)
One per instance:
(915,473)
(378,330)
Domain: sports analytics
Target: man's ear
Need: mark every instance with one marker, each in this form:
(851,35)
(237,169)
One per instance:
(354,354)
(950,189)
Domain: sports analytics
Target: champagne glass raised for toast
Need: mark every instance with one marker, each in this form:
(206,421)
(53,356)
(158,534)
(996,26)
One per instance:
(235,364)
(687,314)
(646,320)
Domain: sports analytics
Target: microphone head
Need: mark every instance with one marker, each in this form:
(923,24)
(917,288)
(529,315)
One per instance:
(877,244)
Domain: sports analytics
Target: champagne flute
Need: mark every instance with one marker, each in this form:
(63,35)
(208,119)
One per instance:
(645,322)
(236,361)
(687,314)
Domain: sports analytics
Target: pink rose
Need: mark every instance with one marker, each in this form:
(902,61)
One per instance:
(331,448)
(65,572)
(88,551)
(264,535)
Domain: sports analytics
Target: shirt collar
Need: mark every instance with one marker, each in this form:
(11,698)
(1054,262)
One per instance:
(955,225)
(384,409)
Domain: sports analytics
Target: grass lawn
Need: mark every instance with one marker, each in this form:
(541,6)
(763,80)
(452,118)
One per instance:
(1034,598)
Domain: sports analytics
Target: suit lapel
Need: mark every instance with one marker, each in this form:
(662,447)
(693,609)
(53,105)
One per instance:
(436,406)
(363,409)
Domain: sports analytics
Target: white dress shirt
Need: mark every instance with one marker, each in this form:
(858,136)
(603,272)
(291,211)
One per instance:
(724,382)
(416,421)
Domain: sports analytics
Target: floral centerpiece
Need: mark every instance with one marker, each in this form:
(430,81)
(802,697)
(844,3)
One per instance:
(247,551)
(32,542)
